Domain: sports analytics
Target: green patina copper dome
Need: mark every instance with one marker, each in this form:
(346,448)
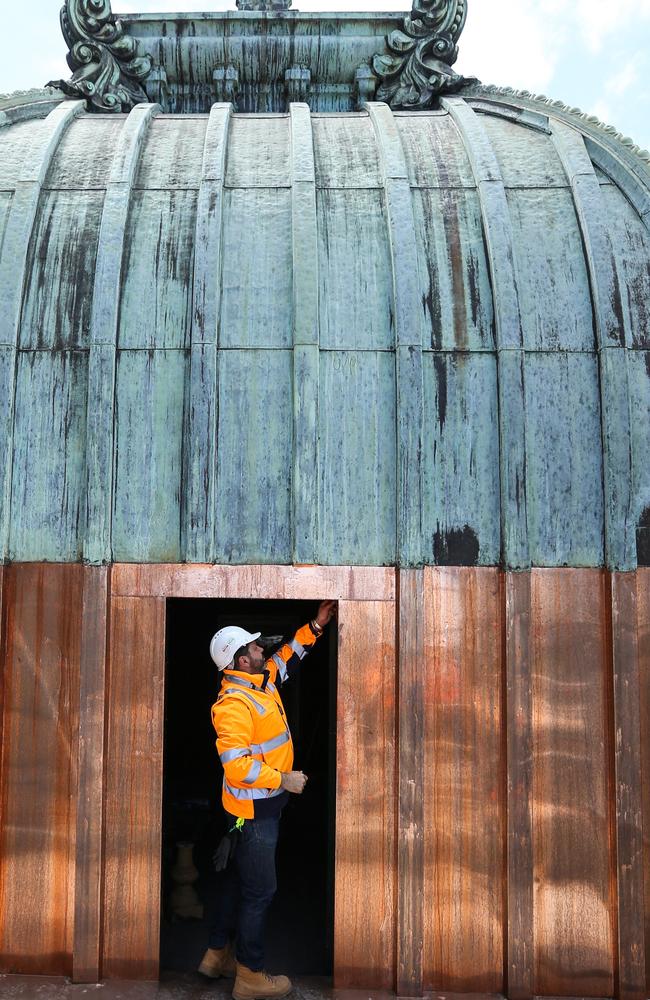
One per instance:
(367,337)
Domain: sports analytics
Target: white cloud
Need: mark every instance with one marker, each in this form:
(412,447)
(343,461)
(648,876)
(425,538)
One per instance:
(627,76)
(515,45)
(592,53)
(603,110)
(596,20)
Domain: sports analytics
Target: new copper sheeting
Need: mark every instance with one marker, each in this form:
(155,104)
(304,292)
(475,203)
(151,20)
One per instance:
(134,787)
(572,898)
(463,792)
(643,631)
(463,878)
(40,688)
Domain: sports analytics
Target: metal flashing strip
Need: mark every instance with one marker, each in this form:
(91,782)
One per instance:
(520,116)
(628,181)
(638,160)
(613,336)
(201,471)
(306,336)
(510,355)
(625,740)
(408,333)
(103,335)
(27,105)
(518,718)
(411,821)
(13,263)
(91,805)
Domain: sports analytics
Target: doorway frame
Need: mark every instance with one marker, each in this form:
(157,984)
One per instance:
(128,929)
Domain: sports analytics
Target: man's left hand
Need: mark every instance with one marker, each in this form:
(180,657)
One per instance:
(325,612)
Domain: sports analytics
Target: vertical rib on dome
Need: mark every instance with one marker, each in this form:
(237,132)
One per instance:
(613,336)
(408,333)
(13,276)
(306,351)
(202,448)
(510,357)
(103,335)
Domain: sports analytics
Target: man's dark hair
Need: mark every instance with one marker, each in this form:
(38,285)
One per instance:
(242,651)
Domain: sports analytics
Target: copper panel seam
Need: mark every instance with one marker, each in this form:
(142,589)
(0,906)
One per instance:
(574,947)
(626,804)
(86,965)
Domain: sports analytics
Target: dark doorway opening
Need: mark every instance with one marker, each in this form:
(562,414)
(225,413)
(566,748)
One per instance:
(299,932)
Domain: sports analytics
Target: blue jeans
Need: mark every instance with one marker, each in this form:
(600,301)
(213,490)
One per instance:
(245,891)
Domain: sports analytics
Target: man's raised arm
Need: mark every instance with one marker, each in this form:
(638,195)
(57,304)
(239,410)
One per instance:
(291,653)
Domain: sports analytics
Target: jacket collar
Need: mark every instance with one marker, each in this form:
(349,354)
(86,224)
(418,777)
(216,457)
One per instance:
(256,682)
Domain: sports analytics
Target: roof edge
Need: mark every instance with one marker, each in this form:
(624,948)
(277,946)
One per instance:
(22,105)
(591,124)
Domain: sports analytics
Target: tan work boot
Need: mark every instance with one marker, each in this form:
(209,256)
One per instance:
(218,962)
(259,985)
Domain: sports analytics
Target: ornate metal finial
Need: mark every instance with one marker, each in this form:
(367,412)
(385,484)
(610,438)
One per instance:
(106,63)
(418,67)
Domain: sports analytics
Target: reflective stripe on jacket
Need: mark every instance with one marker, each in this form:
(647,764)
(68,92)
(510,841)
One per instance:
(253,738)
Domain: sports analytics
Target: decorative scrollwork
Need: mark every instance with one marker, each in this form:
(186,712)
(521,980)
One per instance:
(417,68)
(106,64)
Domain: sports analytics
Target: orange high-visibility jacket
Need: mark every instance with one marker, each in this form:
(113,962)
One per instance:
(253,738)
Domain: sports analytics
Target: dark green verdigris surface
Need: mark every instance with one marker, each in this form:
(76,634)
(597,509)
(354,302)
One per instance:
(368,338)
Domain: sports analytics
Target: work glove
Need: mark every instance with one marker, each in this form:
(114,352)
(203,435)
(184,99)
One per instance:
(270,644)
(224,852)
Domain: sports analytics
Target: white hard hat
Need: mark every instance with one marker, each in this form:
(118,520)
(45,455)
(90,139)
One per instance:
(227,641)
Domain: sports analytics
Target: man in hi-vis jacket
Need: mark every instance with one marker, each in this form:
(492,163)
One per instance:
(255,748)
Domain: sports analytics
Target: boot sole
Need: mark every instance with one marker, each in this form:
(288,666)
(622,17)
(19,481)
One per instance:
(263,996)
(211,974)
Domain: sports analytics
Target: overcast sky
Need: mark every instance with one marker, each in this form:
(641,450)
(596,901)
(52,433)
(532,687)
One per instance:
(592,54)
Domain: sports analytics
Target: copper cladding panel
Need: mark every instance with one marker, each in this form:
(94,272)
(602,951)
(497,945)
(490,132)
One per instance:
(39,766)
(364,909)
(572,893)
(134,778)
(344,583)
(463,787)
(575,909)
(643,620)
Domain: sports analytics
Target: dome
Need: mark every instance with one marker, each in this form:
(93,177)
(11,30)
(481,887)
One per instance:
(369,338)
